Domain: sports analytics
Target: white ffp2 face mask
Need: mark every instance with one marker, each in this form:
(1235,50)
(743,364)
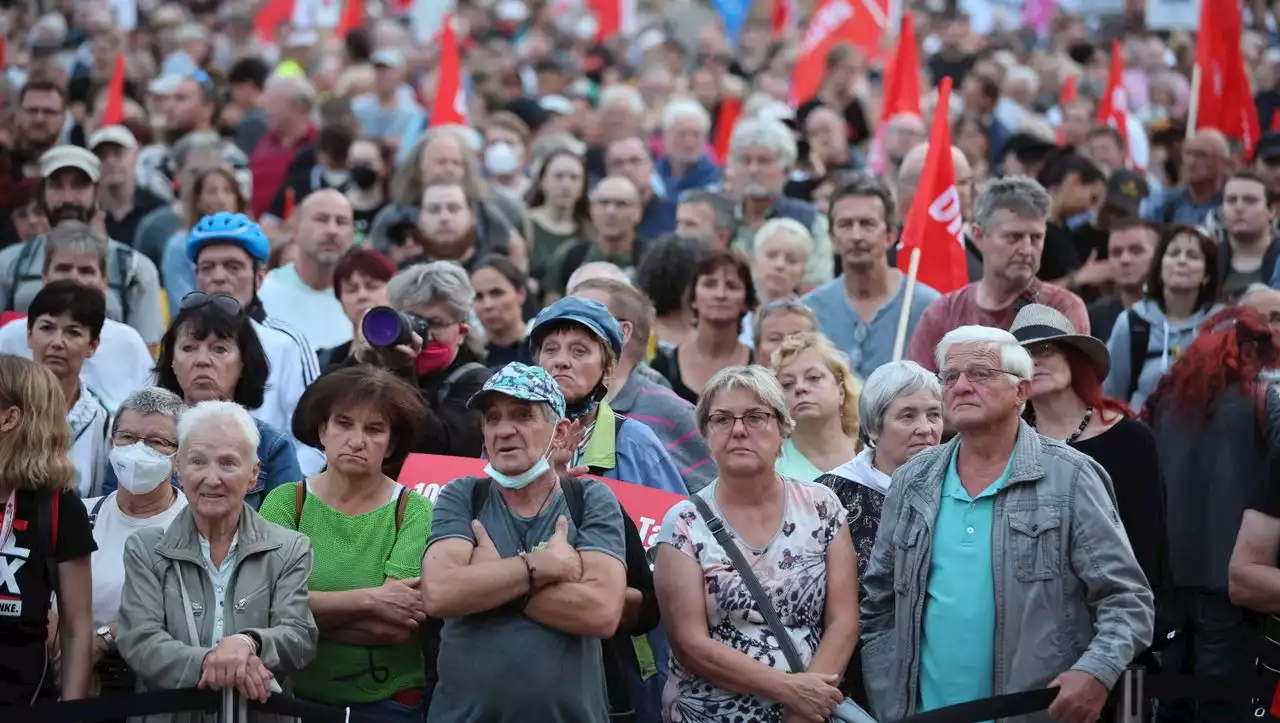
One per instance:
(501,159)
(139,468)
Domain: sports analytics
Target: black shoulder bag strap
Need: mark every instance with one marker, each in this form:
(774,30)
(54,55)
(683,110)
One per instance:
(97,507)
(848,711)
(1139,340)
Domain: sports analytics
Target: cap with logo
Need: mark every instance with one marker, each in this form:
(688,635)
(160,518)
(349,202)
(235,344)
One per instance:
(524,382)
(1125,192)
(60,157)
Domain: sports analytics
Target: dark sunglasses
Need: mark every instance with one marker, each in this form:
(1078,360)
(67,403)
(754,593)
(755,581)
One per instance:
(197,299)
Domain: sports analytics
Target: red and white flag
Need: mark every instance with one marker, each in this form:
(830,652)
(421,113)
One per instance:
(113,113)
(934,225)
(449,106)
(861,23)
(613,17)
(901,90)
(1113,107)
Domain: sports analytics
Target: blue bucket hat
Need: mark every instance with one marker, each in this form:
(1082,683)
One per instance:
(524,382)
(587,313)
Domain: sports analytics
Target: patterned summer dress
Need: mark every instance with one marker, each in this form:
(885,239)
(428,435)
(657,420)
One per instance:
(792,568)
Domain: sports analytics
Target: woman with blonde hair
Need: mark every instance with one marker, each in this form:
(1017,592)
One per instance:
(212,190)
(822,396)
(45,542)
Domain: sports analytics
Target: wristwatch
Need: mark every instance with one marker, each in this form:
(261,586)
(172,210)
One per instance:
(104,632)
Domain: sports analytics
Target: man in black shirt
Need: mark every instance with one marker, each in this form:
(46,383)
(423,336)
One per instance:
(121,200)
(1253,578)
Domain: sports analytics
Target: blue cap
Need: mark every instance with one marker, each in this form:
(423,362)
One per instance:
(524,382)
(588,313)
(235,229)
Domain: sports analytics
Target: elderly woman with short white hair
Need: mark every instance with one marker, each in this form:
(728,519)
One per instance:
(900,411)
(218,600)
(782,250)
(725,664)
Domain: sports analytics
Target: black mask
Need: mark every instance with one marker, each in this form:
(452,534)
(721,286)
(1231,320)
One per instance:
(364,177)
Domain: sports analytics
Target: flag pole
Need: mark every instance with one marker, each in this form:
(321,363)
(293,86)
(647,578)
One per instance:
(1194,109)
(904,318)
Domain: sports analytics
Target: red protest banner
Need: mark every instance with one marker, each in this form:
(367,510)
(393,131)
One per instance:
(427,473)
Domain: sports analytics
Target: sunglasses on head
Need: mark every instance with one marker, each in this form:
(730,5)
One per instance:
(197,299)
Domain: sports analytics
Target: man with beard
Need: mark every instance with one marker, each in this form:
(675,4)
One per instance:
(69,177)
(301,293)
(190,105)
(1009,220)
(762,153)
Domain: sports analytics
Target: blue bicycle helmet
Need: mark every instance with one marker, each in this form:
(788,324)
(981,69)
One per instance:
(225,227)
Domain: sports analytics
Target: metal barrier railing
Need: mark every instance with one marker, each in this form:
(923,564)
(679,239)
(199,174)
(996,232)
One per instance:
(1131,697)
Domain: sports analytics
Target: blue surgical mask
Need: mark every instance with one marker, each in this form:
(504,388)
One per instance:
(526,478)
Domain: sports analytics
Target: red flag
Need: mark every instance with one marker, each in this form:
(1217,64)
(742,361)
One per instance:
(781,19)
(1069,92)
(726,119)
(859,22)
(113,114)
(4,59)
(1113,107)
(352,18)
(901,89)
(1275,121)
(289,200)
(449,107)
(273,15)
(1225,101)
(934,225)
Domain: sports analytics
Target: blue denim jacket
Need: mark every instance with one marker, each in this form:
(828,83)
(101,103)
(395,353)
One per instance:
(279,465)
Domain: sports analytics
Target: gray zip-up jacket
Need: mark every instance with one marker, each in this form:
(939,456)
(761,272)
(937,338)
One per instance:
(1069,593)
(267,595)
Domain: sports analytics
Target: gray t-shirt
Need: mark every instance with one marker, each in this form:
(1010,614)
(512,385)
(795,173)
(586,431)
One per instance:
(137,283)
(500,667)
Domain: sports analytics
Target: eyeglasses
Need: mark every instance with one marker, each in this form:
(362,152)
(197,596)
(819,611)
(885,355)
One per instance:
(754,421)
(977,375)
(159,444)
(1041,350)
(226,304)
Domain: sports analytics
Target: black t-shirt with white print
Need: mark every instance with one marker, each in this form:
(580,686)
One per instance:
(25,592)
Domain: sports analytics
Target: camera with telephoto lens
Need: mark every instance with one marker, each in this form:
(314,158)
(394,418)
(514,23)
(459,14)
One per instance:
(384,327)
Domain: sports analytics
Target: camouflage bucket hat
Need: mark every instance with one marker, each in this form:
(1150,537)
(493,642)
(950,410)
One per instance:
(521,381)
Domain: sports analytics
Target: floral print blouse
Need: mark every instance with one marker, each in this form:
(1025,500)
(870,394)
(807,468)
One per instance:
(792,568)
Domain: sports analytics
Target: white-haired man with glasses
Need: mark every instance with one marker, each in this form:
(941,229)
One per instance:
(1006,554)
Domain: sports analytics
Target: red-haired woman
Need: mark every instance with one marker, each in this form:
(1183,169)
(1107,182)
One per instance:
(1215,421)
(1067,404)
(360,283)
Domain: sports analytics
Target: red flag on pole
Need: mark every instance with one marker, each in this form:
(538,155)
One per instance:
(113,113)
(1113,107)
(859,22)
(901,89)
(934,225)
(726,119)
(273,15)
(449,107)
(352,18)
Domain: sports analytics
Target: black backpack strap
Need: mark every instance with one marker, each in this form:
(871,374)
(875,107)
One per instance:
(97,507)
(25,256)
(402,502)
(453,378)
(1139,340)
(573,259)
(480,496)
(124,263)
(574,498)
(598,471)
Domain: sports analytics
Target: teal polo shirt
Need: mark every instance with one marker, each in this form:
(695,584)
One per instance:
(957,650)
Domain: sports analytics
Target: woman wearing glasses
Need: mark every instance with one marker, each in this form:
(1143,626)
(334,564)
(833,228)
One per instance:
(144,442)
(725,664)
(211,352)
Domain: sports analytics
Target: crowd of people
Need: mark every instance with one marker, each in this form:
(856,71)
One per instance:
(245,278)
